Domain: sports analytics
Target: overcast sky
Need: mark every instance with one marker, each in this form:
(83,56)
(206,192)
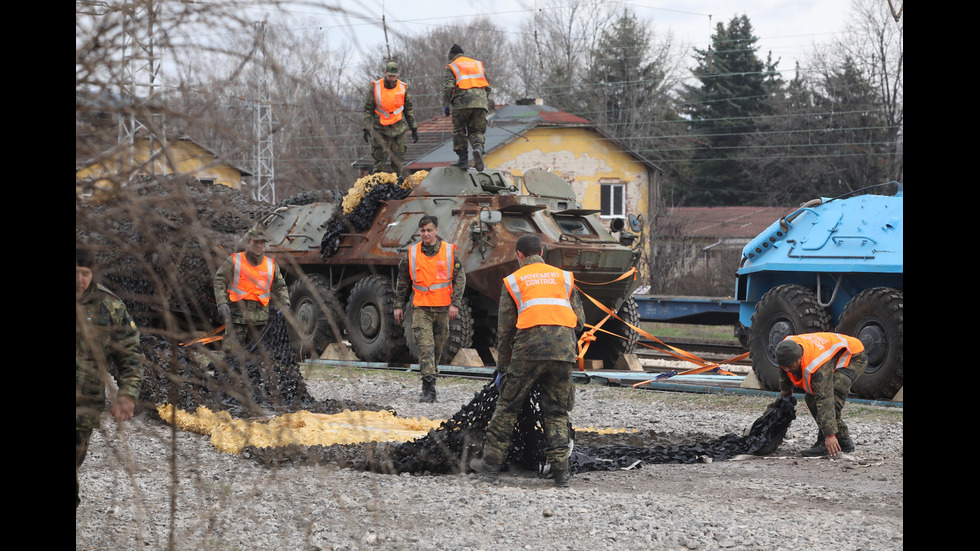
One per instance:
(787,28)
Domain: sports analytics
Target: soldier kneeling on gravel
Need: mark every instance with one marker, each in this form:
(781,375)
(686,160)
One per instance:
(825,366)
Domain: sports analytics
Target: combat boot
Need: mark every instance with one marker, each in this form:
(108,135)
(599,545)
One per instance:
(563,479)
(428,394)
(818,449)
(486,470)
(463,163)
(478,157)
(846,444)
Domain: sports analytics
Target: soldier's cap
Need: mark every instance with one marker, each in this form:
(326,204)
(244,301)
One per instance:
(391,68)
(456,49)
(257,234)
(84,257)
(787,352)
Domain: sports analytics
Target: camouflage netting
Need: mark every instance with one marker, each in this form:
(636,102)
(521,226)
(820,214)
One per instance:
(267,380)
(361,203)
(160,240)
(449,448)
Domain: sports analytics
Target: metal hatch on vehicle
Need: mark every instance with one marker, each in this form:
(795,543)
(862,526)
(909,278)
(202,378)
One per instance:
(542,183)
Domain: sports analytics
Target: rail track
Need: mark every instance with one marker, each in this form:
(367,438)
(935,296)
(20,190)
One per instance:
(660,370)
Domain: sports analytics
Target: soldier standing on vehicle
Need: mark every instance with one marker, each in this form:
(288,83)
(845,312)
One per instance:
(244,285)
(388,113)
(466,95)
(106,341)
(433,273)
(825,366)
(540,313)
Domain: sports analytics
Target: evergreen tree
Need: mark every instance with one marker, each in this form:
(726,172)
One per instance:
(735,88)
(624,85)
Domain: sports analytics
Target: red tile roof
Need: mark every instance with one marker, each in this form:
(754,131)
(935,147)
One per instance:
(723,222)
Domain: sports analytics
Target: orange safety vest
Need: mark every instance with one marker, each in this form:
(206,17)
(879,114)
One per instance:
(818,349)
(389,103)
(543,295)
(252,282)
(469,73)
(432,276)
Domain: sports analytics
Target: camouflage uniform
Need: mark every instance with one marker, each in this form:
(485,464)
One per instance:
(388,141)
(430,324)
(106,341)
(248,317)
(544,355)
(830,390)
(470,108)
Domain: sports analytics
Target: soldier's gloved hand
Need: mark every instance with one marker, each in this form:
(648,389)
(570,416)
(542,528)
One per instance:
(415,135)
(499,381)
(367,136)
(224,311)
(445,111)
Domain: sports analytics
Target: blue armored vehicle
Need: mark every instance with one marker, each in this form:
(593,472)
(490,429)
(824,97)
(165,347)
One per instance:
(831,265)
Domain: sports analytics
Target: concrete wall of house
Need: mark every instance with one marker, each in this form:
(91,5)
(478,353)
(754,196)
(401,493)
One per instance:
(584,157)
(184,158)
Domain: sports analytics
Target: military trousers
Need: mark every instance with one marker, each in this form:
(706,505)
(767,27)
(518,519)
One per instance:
(843,379)
(469,127)
(557,395)
(239,336)
(430,329)
(386,146)
(82,439)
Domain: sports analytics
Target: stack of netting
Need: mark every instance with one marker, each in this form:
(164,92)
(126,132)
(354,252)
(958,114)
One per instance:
(265,380)
(361,204)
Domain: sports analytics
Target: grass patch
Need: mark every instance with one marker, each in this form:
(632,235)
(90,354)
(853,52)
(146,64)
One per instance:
(687,331)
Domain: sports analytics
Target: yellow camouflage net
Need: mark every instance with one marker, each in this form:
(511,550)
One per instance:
(364,184)
(230,435)
(303,428)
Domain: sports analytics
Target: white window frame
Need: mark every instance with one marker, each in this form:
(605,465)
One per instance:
(615,210)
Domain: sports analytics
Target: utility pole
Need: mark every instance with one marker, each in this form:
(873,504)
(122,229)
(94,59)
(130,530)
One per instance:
(264,171)
(139,91)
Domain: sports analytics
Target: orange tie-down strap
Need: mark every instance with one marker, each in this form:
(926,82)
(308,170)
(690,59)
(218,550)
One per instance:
(586,339)
(210,337)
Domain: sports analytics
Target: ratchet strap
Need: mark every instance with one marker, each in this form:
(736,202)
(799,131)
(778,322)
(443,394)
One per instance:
(210,337)
(589,336)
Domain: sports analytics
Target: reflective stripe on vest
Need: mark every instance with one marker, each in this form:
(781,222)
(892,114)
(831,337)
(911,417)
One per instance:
(389,103)
(542,294)
(469,73)
(251,282)
(818,348)
(432,276)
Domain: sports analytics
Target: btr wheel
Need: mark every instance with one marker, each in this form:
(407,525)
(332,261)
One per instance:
(371,328)
(877,317)
(316,316)
(784,310)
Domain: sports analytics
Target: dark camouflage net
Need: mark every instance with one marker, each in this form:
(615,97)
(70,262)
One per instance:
(273,383)
(266,381)
(361,218)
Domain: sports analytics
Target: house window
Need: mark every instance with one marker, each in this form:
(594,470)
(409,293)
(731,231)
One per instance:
(613,200)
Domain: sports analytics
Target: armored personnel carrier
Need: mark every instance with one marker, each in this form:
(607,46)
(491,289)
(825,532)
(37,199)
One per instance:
(832,265)
(341,261)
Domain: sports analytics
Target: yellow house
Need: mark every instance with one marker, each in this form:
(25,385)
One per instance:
(603,172)
(150,156)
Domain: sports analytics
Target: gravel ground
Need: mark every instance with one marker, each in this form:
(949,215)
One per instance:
(145,487)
